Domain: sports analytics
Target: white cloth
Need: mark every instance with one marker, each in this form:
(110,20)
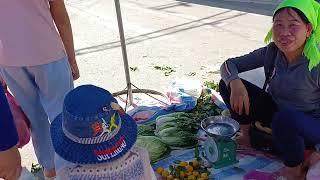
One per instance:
(314,172)
(135,165)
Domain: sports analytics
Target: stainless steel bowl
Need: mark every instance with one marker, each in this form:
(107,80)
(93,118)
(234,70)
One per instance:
(220,126)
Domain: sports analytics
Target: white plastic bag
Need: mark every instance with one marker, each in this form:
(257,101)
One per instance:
(188,86)
(184,91)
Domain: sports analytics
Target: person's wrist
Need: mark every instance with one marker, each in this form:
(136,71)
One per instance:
(72,59)
(73,62)
(234,82)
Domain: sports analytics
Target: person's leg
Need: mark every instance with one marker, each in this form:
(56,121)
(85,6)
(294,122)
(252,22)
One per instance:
(23,87)
(290,131)
(54,81)
(262,108)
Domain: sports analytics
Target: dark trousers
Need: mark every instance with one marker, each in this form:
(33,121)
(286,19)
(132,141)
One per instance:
(262,107)
(8,133)
(292,131)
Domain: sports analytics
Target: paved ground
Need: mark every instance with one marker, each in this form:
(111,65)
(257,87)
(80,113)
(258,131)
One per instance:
(192,37)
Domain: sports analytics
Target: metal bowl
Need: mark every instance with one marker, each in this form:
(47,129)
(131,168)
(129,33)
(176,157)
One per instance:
(220,126)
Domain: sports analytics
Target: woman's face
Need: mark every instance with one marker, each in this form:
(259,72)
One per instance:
(289,31)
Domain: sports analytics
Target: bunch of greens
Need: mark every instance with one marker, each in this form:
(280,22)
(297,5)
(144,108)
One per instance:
(146,130)
(178,130)
(205,108)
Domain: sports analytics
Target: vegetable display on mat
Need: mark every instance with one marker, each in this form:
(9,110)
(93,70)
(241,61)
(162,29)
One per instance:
(176,130)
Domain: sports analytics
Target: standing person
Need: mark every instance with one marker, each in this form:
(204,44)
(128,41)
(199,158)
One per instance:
(10,161)
(291,104)
(37,61)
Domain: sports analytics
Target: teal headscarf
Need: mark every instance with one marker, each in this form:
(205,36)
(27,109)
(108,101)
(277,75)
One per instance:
(311,9)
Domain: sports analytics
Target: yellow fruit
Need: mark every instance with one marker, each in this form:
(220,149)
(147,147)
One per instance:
(160,170)
(189,168)
(201,179)
(195,173)
(191,177)
(165,173)
(204,175)
(183,164)
(170,177)
(195,163)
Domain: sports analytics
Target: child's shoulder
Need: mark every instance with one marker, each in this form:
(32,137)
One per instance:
(139,150)
(134,162)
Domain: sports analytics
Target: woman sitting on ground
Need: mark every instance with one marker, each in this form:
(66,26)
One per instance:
(291,103)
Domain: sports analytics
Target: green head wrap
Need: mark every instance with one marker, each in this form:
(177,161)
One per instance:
(311,9)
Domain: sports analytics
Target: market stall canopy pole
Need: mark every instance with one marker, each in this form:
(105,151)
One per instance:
(129,91)
(124,51)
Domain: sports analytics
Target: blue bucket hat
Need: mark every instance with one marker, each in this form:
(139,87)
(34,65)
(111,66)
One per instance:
(92,128)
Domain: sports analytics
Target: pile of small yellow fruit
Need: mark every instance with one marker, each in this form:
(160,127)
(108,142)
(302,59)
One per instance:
(185,171)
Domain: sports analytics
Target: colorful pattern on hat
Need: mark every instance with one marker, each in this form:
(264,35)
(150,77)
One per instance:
(310,8)
(90,130)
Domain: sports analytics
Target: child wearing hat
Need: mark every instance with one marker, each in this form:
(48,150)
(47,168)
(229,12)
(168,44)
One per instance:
(95,139)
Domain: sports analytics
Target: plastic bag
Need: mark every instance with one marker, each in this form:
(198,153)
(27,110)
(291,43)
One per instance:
(20,119)
(184,91)
(188,86)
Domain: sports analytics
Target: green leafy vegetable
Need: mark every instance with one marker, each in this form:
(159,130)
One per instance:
(146,130)
(156,148)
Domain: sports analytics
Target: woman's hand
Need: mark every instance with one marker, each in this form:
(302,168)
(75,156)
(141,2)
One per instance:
(10,164)
(74,70)
(239,99)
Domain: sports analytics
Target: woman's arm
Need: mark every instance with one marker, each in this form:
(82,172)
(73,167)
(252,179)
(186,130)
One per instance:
(230,69)
(62,21)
